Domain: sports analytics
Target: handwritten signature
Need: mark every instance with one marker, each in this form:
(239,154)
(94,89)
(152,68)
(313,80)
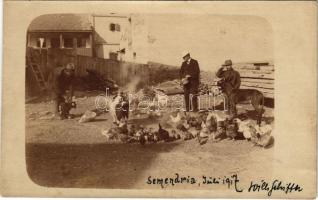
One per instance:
(274,186)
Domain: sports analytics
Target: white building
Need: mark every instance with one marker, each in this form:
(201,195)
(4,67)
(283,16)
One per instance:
(108,36)
(122,37)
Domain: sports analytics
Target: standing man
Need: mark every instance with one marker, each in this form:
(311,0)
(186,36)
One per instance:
(231,80)
(63,79)
(190,79)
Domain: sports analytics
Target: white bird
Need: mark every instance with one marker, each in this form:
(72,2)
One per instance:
(244,127)
(265,129)
(176,119)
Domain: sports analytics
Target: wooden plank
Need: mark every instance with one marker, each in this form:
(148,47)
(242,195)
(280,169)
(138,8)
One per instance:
(255,80)
(268,68)
(258,85)
(260,89)
(268,95)
(253,67)
(255,71)
(254,75)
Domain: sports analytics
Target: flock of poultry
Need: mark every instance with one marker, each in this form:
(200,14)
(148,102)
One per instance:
(205,126)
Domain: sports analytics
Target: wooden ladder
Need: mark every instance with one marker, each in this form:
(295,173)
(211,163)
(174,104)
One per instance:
(38,76)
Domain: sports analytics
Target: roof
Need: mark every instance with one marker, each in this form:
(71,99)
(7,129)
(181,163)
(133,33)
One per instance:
(61,22)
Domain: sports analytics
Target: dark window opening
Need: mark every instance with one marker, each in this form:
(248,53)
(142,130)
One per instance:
(68,42)
(112,27)
(81,42)
(55,42)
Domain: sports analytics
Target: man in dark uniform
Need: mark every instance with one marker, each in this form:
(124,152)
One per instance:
(230,80)
(63,79)
(190,79)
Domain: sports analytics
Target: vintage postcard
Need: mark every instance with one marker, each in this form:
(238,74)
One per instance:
(159,99)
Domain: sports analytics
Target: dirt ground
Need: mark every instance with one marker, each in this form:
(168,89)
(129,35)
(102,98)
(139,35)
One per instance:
(65,153)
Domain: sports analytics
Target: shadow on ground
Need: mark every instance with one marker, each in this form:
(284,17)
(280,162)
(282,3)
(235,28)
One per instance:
(90,165)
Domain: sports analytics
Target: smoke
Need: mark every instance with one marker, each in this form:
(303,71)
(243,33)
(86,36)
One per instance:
(133,76)
(133,85)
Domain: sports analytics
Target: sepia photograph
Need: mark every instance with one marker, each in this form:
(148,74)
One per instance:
(144,95)
(169,103)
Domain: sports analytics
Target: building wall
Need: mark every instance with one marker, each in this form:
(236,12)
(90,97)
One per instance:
(103,51)
(133,37)
(139,51)
(102,27)
(107,40)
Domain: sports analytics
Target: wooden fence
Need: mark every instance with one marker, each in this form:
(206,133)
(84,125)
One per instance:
(260,77)
(120,72)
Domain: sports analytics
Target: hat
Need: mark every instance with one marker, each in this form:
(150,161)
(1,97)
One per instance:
(70,66)
(185,53)
(227,63)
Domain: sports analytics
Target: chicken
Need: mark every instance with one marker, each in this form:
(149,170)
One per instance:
(174,135)
(187,135)
(211,123)
(140,135)
(204,134)
(193,131)
(245,127)
(193,122)
(266,129)
(163,134)
(231,131)
(132,130)
(176,119)
(218,116)
(142,140)
(262,140)
(219,134)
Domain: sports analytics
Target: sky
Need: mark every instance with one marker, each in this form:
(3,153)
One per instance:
(210,39)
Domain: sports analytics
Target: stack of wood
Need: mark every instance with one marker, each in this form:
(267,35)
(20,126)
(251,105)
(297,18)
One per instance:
(257,75)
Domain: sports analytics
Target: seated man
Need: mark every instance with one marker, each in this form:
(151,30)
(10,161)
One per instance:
(230,80)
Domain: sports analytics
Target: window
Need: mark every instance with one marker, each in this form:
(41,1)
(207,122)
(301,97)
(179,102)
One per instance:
(68,42)
(81,42)
(39,41)
(117,27)
(113,55)
(114,27)
(55,42)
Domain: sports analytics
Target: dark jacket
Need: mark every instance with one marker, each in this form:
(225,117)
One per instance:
(231,77)
(61,82)
(191,69)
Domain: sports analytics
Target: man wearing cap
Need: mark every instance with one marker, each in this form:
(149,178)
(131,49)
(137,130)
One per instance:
(230,79)
(190,78)
(63,79)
